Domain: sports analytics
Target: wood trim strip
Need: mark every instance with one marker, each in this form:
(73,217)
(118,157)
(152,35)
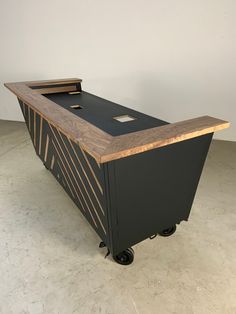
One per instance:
(70,180)
(46,149)
(91,169)
(62,162)
(66,179)
(40,134)
(88,195)
(34,129)
(73,174)
(98,217)
(29,119)
(78,197)
(81,180)
(98,163)
(52,162)
(102,146)
(85,174)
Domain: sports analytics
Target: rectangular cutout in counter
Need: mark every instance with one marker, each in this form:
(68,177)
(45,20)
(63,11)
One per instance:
(124,118)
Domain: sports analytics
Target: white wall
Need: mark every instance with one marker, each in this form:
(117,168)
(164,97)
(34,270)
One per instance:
(174,59)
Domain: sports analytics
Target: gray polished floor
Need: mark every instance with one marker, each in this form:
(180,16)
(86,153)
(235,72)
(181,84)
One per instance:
(49,256)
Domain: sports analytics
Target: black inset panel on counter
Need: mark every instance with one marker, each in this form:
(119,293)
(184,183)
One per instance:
(101,112)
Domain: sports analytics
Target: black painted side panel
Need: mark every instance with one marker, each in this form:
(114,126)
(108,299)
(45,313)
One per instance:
(154,190)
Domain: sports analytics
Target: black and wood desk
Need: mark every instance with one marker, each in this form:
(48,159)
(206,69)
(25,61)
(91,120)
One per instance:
(131,175)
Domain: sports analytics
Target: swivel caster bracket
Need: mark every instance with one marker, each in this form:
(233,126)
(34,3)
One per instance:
(125,257)
(101,245)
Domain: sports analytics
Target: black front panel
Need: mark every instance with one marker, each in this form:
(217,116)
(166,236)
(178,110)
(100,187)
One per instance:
(38,129)
(77,172)
(154,190)
(101,112)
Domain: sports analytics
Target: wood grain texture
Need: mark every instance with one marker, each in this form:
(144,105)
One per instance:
(91,139)
(100,145)
(68,88)
(52,82)
(137,142)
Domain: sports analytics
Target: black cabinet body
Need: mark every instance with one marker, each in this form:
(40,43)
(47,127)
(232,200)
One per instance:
(126,200)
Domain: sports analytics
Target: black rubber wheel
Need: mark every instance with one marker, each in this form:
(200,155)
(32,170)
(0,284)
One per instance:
(102,244)
(168,232)
(125,258)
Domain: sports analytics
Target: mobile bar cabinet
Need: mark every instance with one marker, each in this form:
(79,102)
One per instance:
(131,175)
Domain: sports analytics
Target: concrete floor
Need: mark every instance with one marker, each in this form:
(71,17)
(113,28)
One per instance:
(50,261)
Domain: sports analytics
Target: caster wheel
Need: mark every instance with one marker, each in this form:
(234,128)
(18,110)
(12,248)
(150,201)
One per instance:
(102,244)
(168,232)
(125,258)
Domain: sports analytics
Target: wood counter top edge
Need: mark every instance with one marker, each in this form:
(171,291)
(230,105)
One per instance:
(138,142)
(99,144)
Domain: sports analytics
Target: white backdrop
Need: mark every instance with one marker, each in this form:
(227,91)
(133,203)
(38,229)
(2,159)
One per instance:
(172,59)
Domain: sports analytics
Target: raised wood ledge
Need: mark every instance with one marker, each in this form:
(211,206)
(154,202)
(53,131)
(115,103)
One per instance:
(52,82)
(102,146)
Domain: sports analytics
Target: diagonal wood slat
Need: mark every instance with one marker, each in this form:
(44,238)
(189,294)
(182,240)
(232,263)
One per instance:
(74,188)
(92,171)
(68,169)
(72,173)
(86,176)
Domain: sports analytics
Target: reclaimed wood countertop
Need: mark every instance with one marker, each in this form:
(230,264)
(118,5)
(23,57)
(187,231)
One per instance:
(103,146)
